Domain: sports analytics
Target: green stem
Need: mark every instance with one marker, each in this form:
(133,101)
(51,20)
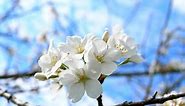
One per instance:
(124,62)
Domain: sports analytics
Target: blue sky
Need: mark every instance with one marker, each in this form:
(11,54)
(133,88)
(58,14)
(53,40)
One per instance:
(141,19)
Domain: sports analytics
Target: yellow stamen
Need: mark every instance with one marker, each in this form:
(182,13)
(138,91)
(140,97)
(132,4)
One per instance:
(121,48)
(80,49)
(54,60)
(100,58)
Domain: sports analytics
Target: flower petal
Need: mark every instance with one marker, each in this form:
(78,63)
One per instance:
(44,61)
(112,55)
(65,48)
(111,42)
(108,67)
(136,58)
(93,74)
(93,65)
(78,72)
(67,79)
(54,68)
(73,40)
(99,46)
(88,55)
(76,91)
(74,63)
(93,88)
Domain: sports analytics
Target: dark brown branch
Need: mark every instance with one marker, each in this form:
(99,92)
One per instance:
(153,100)
(163,70)
(138,74)
(99,99)
(18,75)
(12,98)
(159,69)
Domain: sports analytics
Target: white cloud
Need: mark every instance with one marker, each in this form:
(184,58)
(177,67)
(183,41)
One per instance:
(27,4)
(179,5)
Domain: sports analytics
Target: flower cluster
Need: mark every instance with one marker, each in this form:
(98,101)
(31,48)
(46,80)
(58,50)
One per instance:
(174,102)
(79,63)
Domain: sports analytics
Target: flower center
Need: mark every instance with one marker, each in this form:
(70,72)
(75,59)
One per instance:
(83,78)
(100,58)
(121,48)
(54,60)
(80,49)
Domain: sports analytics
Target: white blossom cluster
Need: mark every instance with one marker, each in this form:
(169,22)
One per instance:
(174,102)
(78,63)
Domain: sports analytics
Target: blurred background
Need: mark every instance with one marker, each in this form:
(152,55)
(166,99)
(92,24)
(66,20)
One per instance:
(158,27)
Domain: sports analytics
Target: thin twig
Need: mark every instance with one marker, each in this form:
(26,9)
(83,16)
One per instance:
(18,75)
(138,74)
(11,98)
(174,85)
(117,74)
(99,99)
(153,100)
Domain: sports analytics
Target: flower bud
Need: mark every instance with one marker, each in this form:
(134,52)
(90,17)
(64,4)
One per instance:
(105,36)
(40,76)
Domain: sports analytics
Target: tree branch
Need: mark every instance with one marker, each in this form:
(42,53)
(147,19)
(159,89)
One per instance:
(153,100)
(18,75)
(99,99)
(159,69)
(13,99)
(164,70)
(145,73)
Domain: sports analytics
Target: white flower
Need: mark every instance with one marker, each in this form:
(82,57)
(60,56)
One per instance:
(174,102)
(79,81)
(124,44)
(78,63)
(75,45)
(100,58)
(50,63)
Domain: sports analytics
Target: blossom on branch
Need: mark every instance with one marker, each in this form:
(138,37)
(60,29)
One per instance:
(81,80)
(101,58)
(51,63)
(174,102)
(76,46)
(124,44)
(78,64)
